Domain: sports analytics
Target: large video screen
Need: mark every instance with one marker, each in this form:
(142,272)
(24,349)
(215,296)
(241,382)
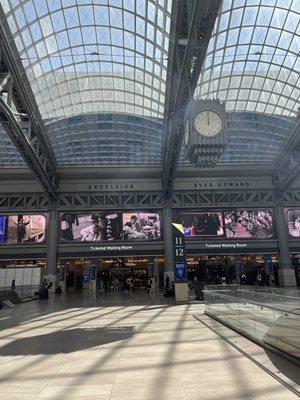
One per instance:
(141,226)
(293,220)
(249,224)
(22,228)
(200,224)
(93,227)
(110,226)
(230,224)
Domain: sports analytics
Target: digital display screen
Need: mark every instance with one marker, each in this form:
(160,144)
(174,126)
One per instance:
(141,226)
(229,224)
(200,224)
(249,224)
(293,220)
(110,226)
(22,228)
(93,227)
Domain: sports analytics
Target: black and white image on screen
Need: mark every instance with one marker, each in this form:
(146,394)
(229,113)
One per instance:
(293,218)
(96,227)
(249,224)
(141,226)
(26,228)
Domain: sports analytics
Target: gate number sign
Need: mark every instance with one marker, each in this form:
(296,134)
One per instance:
(179,253)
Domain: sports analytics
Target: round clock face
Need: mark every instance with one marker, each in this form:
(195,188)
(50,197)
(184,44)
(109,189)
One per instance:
(186,132)
(208,123)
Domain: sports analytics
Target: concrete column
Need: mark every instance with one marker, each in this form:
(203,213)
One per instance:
(286,271)
(52,235)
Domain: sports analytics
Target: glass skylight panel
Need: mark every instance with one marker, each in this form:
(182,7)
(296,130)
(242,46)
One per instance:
(82,36)
(96,57)
(261,44)
(258,72)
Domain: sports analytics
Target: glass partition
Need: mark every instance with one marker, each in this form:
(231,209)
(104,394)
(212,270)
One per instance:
(268,318)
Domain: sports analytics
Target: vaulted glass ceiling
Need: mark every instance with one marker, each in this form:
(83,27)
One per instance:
(98,70)
(253,64)
(253,60)
(92,56)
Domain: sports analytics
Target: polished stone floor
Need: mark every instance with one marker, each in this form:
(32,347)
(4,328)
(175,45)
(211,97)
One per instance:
(135,347)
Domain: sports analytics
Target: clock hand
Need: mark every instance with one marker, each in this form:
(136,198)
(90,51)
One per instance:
(208,118)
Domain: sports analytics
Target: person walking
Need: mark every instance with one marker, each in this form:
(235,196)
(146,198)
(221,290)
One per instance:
(148,285)
(13,285)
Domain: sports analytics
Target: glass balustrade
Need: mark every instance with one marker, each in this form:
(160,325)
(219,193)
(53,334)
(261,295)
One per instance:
(273,319)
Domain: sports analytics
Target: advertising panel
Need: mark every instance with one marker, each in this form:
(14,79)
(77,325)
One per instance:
(293,221)
(141,226)
(249,224)
(227,224)
(110,226)
(93,227)
(198,224)
(22,228)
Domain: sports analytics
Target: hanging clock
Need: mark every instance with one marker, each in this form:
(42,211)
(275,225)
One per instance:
(205,132)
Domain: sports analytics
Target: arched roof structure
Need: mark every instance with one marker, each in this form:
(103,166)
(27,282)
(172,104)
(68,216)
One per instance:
(98,72)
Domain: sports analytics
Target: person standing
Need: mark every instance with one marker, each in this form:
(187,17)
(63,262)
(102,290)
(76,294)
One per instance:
(243,279)
(13,285)
(259,278)
(167,283)
(148,285)
(21,228)
(67,221)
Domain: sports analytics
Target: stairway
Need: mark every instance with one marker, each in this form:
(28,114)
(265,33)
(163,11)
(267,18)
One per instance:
(241,231)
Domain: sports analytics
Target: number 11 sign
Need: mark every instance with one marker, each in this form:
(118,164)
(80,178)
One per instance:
(179,253)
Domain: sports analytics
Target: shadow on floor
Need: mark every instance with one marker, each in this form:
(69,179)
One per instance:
(66,341)
(284,367)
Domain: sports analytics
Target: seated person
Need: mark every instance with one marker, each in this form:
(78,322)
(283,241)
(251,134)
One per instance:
(132,229)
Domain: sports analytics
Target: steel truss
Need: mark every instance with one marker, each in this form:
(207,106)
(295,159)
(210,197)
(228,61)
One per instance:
(223,199)
(24,202)
(19,113)
(191,28)
(147,200)
(292,197)
(89,201)
(287,165)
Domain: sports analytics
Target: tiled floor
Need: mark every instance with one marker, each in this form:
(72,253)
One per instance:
(81,348)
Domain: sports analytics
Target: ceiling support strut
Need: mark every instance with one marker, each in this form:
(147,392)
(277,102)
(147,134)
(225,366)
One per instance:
(191,29)
(19,113)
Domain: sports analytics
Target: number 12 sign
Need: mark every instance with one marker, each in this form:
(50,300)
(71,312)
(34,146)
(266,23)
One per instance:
(179,253)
